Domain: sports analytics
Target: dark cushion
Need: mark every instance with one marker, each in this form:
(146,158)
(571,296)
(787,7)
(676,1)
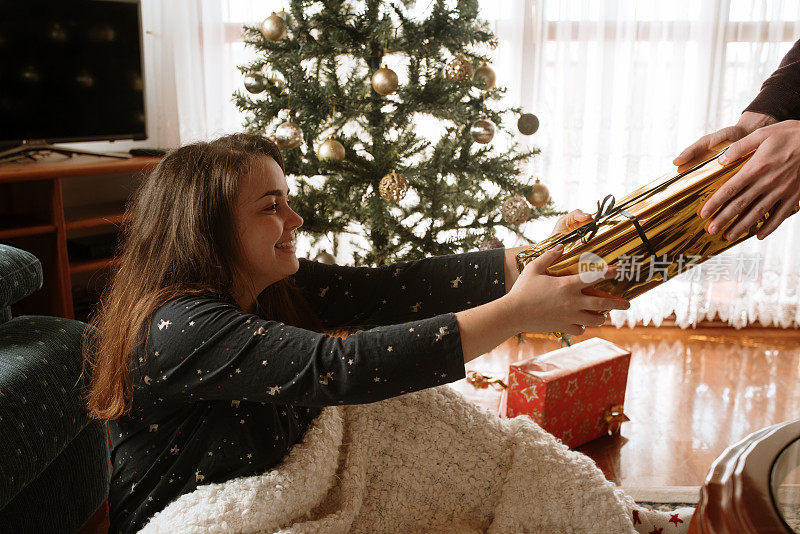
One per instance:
(42,406)
(20,275)
(68,492)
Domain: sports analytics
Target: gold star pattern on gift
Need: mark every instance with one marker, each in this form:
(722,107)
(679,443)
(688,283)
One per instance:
(606,375)
(572,387)
(530,393)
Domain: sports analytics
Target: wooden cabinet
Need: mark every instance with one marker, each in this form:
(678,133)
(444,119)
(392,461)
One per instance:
(44,203)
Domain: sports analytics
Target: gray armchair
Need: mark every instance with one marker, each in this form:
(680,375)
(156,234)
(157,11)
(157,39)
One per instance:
(54,460)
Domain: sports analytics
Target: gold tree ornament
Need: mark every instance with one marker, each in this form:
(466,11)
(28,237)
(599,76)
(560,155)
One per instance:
(485,77)
(482,131)
(539,195)
(273,28)
(288,135)
(528,123)
(384,81)
(459,68)
(331,150)
(516,210)
(393,187)
(255,83)
(490,243)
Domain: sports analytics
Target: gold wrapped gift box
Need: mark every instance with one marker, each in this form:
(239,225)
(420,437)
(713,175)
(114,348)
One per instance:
(654,233)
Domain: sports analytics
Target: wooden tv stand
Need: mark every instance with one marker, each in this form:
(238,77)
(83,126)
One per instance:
(44,203)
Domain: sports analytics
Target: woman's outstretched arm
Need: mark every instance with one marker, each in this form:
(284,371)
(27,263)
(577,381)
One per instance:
(405,291)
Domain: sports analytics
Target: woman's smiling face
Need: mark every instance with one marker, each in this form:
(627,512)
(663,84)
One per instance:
(263,219)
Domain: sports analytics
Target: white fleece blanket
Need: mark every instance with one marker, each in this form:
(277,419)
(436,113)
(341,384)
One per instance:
(428,461)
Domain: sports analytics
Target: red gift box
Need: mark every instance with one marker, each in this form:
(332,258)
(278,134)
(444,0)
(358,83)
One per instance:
(576,393)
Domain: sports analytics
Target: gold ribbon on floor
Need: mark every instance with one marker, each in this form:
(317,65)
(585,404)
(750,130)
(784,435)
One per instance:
(614,417)
(652,234)
(481,381)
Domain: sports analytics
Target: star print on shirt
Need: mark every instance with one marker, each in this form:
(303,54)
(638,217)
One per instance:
(456,282)
(416,307)
(324,379)
(174,450)
(377,379)
(323,291)
(442,332)
(164,324)
(350,362)
(234,403)
(389,348)
(191,323)
(272,390)
(147,380)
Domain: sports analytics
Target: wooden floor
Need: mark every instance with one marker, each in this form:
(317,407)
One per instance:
(691,393)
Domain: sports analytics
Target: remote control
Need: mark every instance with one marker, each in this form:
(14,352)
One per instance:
(147,152)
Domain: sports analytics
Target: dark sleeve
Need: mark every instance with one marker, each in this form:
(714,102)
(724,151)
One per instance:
(780,93)
(399,292)
(206,349)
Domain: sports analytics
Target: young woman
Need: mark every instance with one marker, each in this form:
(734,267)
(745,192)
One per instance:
(209,358)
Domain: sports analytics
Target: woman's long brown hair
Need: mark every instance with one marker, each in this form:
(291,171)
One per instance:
(180,239)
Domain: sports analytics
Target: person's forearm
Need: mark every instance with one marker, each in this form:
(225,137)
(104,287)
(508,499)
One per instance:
(484,327)
(752,121)
(510,265)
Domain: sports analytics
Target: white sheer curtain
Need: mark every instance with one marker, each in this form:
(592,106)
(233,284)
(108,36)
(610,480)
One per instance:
(620,87)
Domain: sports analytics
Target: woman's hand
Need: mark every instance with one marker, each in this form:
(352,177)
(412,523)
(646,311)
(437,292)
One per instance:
(569,222)
(539,302)
(769,181)
(564,225)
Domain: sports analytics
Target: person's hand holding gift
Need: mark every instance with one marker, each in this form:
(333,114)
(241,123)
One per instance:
(565,224)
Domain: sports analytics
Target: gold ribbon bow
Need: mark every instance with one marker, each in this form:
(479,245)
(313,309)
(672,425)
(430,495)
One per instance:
(481,381)
(614,417)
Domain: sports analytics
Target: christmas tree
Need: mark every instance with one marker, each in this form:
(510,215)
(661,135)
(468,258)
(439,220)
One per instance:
(407,163)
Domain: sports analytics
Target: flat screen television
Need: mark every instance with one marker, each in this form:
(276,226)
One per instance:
(71,70)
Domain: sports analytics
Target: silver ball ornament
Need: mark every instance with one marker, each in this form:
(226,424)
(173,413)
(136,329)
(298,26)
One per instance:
(482,131)
(255,83)
(288,135)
